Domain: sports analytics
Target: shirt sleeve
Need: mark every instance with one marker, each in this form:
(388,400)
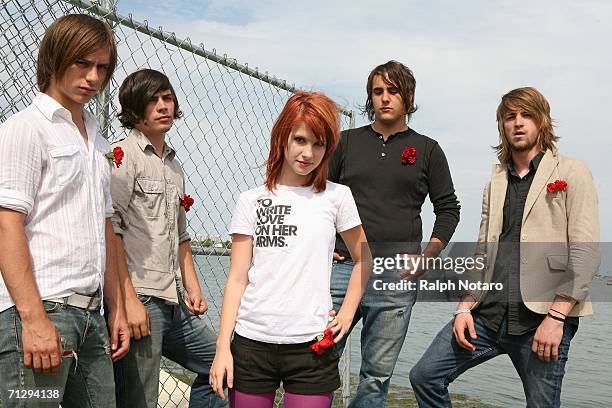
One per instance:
(243,219)
(182,222)
(337,161)
(20,166)
(442,195)
(122,188)
(347,216)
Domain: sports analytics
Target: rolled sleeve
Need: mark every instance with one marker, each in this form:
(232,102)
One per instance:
(121,189)
(182,226)
(20,167)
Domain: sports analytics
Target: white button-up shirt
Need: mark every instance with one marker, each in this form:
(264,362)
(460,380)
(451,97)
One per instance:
(63,187)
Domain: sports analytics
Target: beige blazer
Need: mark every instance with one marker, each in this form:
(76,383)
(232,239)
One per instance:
(559,233)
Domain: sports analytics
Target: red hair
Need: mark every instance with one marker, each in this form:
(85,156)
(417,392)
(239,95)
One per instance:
(320,114)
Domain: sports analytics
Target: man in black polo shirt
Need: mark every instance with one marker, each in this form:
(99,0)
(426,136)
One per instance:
(539,232)
(390,169)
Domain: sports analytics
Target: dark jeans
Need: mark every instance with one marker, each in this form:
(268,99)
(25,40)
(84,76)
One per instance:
(177,335)
(444,361)
(83,381)
(385,322)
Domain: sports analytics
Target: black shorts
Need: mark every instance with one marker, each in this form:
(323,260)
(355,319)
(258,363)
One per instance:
(260,367)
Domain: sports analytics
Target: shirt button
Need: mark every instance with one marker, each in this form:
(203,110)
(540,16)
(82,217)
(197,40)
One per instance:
(383,154)
(524,237)
(384,144)
(523,261)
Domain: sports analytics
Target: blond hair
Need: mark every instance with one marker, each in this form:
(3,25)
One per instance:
(529,100)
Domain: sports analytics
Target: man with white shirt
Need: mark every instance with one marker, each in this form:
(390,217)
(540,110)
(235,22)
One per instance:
(55,209)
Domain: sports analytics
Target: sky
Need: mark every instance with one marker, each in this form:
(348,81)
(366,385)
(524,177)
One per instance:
(464,55)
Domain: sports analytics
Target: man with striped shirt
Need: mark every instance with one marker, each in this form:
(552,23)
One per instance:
(55,209)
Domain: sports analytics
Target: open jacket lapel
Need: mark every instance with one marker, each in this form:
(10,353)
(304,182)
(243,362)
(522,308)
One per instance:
(548,164)
(499,185)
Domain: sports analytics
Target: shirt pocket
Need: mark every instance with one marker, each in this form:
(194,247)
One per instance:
(151,193)
(66,165)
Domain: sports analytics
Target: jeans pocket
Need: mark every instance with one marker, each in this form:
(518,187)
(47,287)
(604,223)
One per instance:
(144,299)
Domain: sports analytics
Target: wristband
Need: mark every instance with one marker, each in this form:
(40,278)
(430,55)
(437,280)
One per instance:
(461,311)
(556,311)
(559,319)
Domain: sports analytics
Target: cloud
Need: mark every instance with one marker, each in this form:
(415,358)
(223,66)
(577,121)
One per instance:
(465,55)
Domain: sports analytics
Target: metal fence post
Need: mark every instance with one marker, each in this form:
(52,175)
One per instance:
(103,98)
(346,372)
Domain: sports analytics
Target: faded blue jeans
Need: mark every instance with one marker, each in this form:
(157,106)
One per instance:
(444,361)
(84,381)
(177,335)
(385,317)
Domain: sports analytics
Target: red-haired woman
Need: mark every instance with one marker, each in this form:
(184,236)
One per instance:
(277,296)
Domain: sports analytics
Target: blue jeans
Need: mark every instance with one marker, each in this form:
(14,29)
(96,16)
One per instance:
(385,322)
(444,361)
(83,381)
(177,335)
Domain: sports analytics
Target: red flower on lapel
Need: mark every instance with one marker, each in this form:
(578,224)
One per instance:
(558,185)
(186,202)
(326,341)
(409,155)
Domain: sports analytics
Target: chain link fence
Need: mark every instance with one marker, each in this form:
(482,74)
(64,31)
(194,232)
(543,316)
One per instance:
(222,140)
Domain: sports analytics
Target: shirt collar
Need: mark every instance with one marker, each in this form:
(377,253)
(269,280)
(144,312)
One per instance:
(379,135)
(533,165)
(144,141)
(50,108)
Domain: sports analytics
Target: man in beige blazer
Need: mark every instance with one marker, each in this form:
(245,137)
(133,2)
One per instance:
(539,235)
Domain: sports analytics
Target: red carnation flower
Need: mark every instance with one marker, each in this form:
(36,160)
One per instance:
(561,185)
(321,346)
(557,185)
(186,202)
(116,156)
(409,155)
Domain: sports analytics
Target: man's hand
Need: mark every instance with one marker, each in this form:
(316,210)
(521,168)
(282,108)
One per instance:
(337,257)
(415,266)
(547,339)
(195,302)
(464,322)
(42,347)
(119,334)
(137,317)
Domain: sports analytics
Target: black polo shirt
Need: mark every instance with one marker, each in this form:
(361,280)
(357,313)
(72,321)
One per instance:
(508,303)
(390,193)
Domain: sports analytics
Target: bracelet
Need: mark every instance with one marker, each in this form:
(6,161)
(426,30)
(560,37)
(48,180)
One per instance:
(559,319)
(461,311)
(556,311)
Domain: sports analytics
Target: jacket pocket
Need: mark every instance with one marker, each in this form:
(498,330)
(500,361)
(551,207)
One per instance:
(557,262)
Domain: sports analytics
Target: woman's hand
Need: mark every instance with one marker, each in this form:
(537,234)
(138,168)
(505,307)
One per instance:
(339,325)
(222,364)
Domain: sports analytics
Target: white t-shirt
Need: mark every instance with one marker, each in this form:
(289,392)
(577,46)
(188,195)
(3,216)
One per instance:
(287,299)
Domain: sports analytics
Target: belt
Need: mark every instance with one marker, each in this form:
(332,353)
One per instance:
(81,301)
